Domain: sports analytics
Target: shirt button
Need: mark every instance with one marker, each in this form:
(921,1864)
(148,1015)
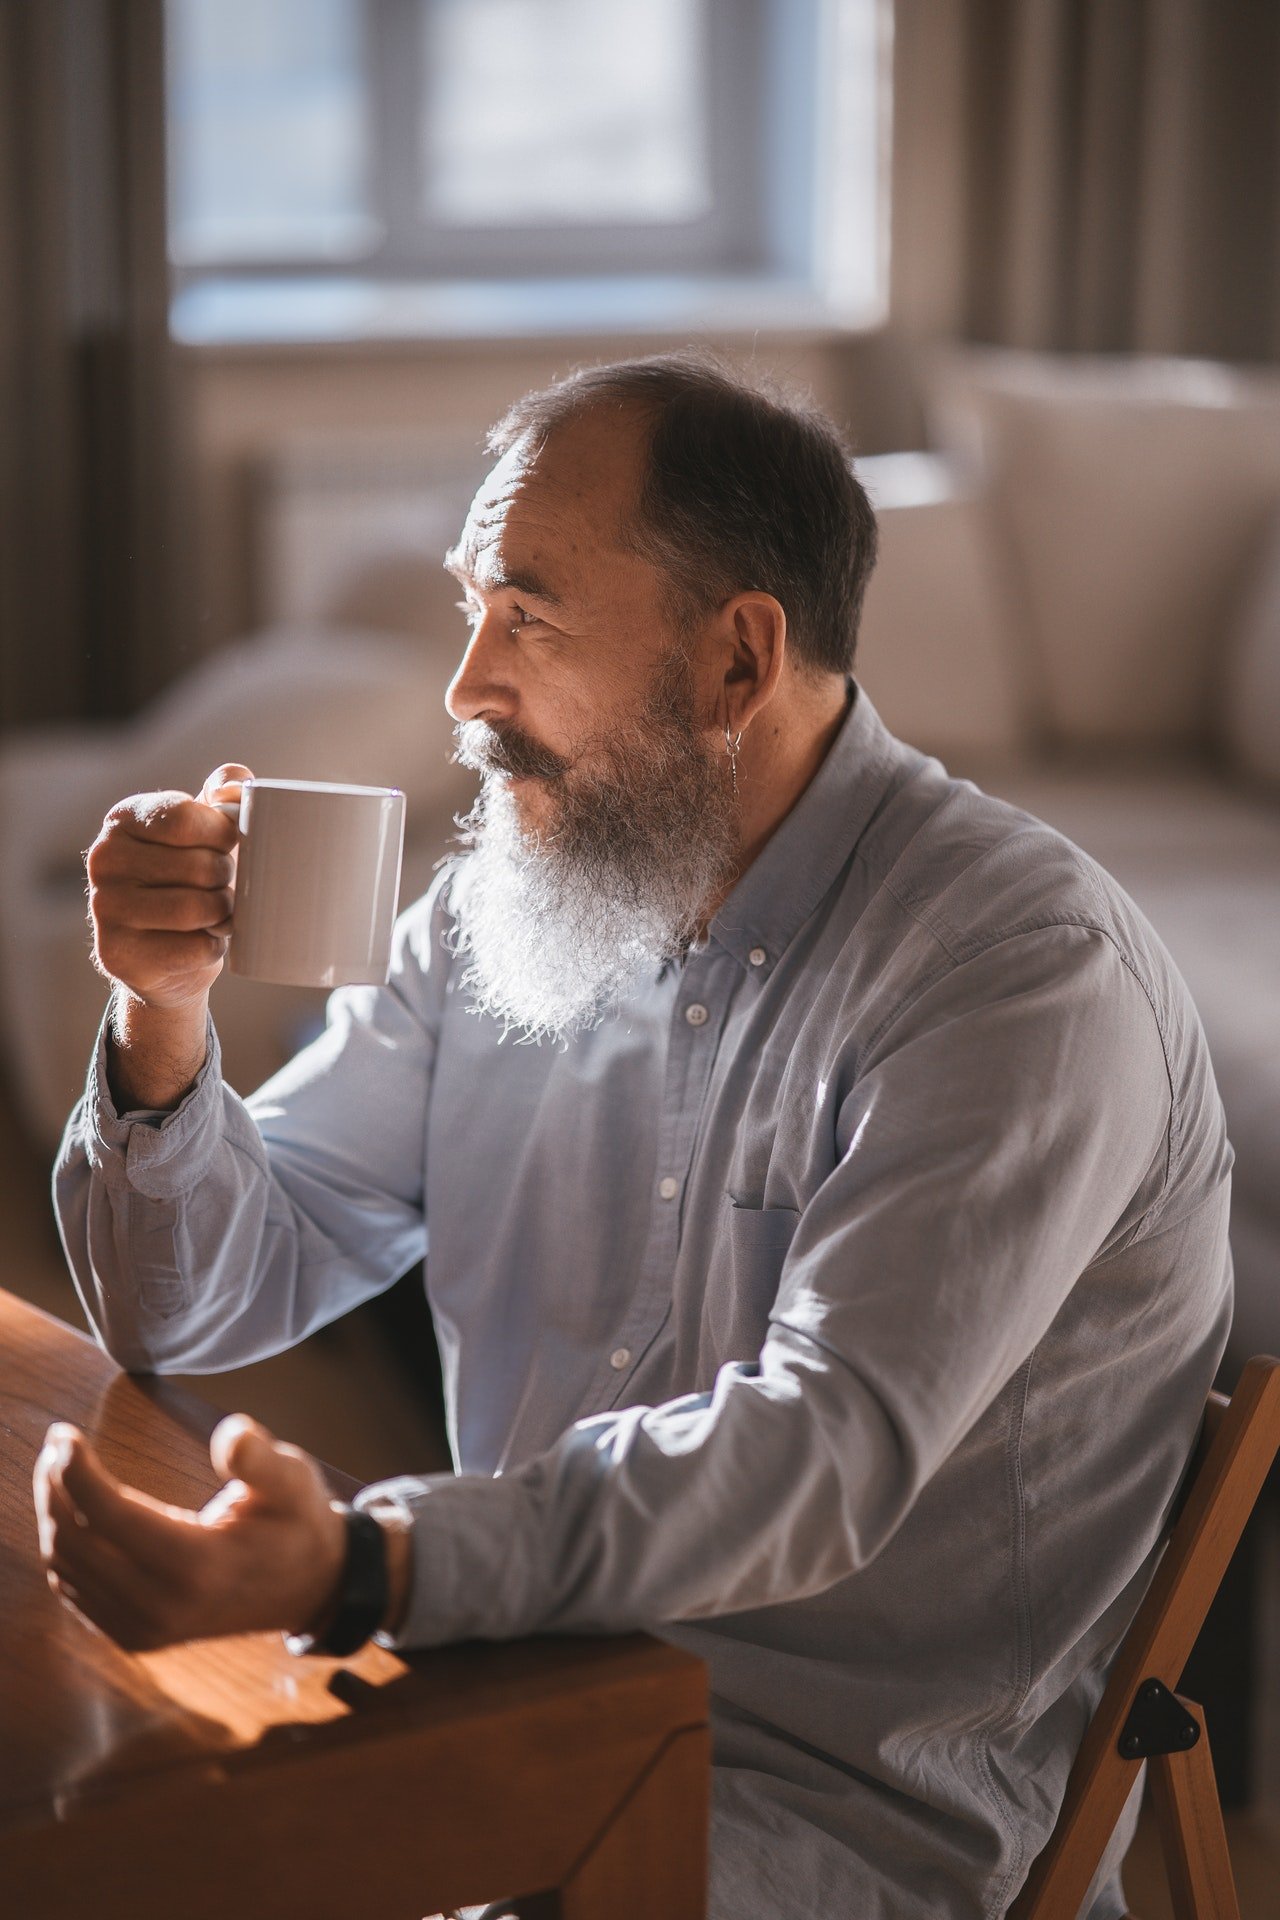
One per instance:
(696,1015)
(619,1358)
(757,956)
(668,1187)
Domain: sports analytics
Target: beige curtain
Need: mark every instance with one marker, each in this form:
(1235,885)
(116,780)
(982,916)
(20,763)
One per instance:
(1124,175)
(87,504)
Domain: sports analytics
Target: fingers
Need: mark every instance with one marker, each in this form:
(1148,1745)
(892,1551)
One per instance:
(161,968)
(164,970)
(127,1564)
(174,819)
(276,1473)
(266,1552)
(147,909)
(81,1558)
(86,1515)
(154,864)
(110,1592)
(224,782)
(160,895)
(233,1445)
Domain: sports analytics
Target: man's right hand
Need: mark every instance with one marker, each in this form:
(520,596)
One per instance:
(161,876)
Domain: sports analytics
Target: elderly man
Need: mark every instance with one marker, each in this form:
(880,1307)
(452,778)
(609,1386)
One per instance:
(834,1290)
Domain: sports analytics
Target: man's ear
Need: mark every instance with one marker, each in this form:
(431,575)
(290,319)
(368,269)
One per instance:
(755,630)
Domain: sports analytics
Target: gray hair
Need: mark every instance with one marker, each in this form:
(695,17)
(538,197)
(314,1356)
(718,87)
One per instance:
(743,490)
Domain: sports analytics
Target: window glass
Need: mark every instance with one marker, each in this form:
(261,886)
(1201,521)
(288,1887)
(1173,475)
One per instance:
(564,112)
(269,154)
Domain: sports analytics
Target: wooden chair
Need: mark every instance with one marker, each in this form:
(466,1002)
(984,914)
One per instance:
(1140,1716)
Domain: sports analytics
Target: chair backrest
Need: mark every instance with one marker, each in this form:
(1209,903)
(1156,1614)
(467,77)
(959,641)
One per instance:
(1237,1444)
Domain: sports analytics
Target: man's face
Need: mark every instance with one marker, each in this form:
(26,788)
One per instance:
(569,630)
(605,823)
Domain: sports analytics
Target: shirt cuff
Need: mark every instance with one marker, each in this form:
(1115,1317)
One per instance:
(477,1567)
(158,1154)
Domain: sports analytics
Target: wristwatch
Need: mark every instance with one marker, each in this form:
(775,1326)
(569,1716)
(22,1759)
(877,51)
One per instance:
(363,1595)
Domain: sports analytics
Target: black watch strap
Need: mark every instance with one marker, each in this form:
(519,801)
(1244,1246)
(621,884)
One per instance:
(363,1594)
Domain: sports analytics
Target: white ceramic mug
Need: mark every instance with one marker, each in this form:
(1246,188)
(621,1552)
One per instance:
(317,881)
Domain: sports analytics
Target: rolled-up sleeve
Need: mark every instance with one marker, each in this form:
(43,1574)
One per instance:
(1010,1126)
(233,1228)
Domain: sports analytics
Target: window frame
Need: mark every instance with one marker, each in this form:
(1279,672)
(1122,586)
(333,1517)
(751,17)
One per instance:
(774,226)
(725,238)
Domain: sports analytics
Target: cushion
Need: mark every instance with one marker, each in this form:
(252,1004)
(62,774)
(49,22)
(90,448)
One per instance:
(1250,712)
(1131,494)
(936,651)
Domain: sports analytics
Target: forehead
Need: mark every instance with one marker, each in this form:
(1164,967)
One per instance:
(549,507)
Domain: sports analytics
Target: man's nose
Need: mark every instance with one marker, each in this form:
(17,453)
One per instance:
(481,689)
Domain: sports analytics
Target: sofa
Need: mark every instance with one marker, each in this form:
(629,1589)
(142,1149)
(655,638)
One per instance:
(1078,606)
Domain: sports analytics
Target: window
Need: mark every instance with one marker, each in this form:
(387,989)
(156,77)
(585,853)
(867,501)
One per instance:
(344,152)
(567,115)
(269,134)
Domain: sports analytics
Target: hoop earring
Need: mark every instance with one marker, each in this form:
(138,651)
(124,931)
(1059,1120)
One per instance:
(731,745)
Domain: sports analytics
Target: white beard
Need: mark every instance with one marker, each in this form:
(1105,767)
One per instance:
(559,927)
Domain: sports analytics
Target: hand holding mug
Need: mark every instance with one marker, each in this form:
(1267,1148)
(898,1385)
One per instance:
(298,879)
(161,891)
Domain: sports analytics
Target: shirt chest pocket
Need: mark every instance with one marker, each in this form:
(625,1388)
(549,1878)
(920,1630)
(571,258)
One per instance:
(746,1273)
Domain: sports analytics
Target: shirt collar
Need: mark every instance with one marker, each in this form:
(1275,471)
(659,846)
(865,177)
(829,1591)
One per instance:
(806,853)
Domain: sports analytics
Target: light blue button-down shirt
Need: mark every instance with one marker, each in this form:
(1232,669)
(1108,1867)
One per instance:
(843,1308)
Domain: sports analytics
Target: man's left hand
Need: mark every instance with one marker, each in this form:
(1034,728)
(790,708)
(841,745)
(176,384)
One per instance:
(267,1551)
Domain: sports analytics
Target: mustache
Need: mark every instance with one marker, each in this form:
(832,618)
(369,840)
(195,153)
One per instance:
(508,750)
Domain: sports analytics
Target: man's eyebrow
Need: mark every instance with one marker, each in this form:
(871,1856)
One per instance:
(516,580)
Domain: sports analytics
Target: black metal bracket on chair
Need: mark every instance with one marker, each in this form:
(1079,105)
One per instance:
(1157,1723)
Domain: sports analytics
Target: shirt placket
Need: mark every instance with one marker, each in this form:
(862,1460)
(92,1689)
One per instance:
(697,1023)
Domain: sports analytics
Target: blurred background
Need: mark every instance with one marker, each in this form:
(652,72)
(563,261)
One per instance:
(269,268)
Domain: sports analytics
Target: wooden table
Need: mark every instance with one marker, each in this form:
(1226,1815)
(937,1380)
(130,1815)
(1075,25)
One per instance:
(226,1776)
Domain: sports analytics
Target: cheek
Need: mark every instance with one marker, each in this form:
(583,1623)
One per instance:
(565,712)
(577,693)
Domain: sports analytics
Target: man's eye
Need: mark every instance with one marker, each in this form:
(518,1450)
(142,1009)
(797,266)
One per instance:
(474,612)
